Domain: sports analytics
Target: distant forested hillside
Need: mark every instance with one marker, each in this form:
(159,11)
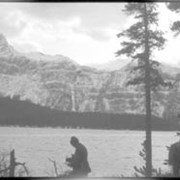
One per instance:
(14,112)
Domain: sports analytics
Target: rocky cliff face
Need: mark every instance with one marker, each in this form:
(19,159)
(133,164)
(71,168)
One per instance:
(60,83)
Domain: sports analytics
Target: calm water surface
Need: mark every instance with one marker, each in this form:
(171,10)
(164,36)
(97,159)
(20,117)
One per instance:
(111,153)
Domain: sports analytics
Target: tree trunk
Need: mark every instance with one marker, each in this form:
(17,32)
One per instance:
(148,145)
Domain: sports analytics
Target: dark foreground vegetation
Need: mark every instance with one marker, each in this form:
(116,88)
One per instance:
(24,113)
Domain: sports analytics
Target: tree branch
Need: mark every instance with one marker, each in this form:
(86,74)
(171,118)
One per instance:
(55,167)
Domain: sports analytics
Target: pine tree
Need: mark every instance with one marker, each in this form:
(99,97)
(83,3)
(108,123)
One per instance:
(141,39)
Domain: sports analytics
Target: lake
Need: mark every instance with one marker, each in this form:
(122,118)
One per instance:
(112,153)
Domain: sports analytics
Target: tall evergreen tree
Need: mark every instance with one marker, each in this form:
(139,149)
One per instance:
(141,39)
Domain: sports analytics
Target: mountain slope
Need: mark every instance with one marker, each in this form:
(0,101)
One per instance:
(112,65)
(60,83)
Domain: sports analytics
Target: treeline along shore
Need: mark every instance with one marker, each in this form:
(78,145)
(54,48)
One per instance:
(14,112)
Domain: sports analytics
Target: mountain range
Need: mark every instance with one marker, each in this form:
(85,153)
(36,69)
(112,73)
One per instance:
(62,84)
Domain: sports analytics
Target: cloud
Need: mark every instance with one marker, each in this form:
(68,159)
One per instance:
(86,39)
(23,46)
(67,37)
(33,27)
(166,17)
(170,53)
(11,21)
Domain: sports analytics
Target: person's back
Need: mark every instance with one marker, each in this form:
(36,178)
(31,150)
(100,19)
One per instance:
(83,159)
(174,158)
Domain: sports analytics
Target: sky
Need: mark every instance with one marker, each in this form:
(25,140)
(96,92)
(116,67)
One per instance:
(85,32)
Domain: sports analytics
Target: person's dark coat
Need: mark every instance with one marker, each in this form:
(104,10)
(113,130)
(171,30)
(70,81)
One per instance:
(174,158)
(80,160)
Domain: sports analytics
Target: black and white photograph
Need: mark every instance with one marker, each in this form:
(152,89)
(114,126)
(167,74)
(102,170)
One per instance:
(90,89)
